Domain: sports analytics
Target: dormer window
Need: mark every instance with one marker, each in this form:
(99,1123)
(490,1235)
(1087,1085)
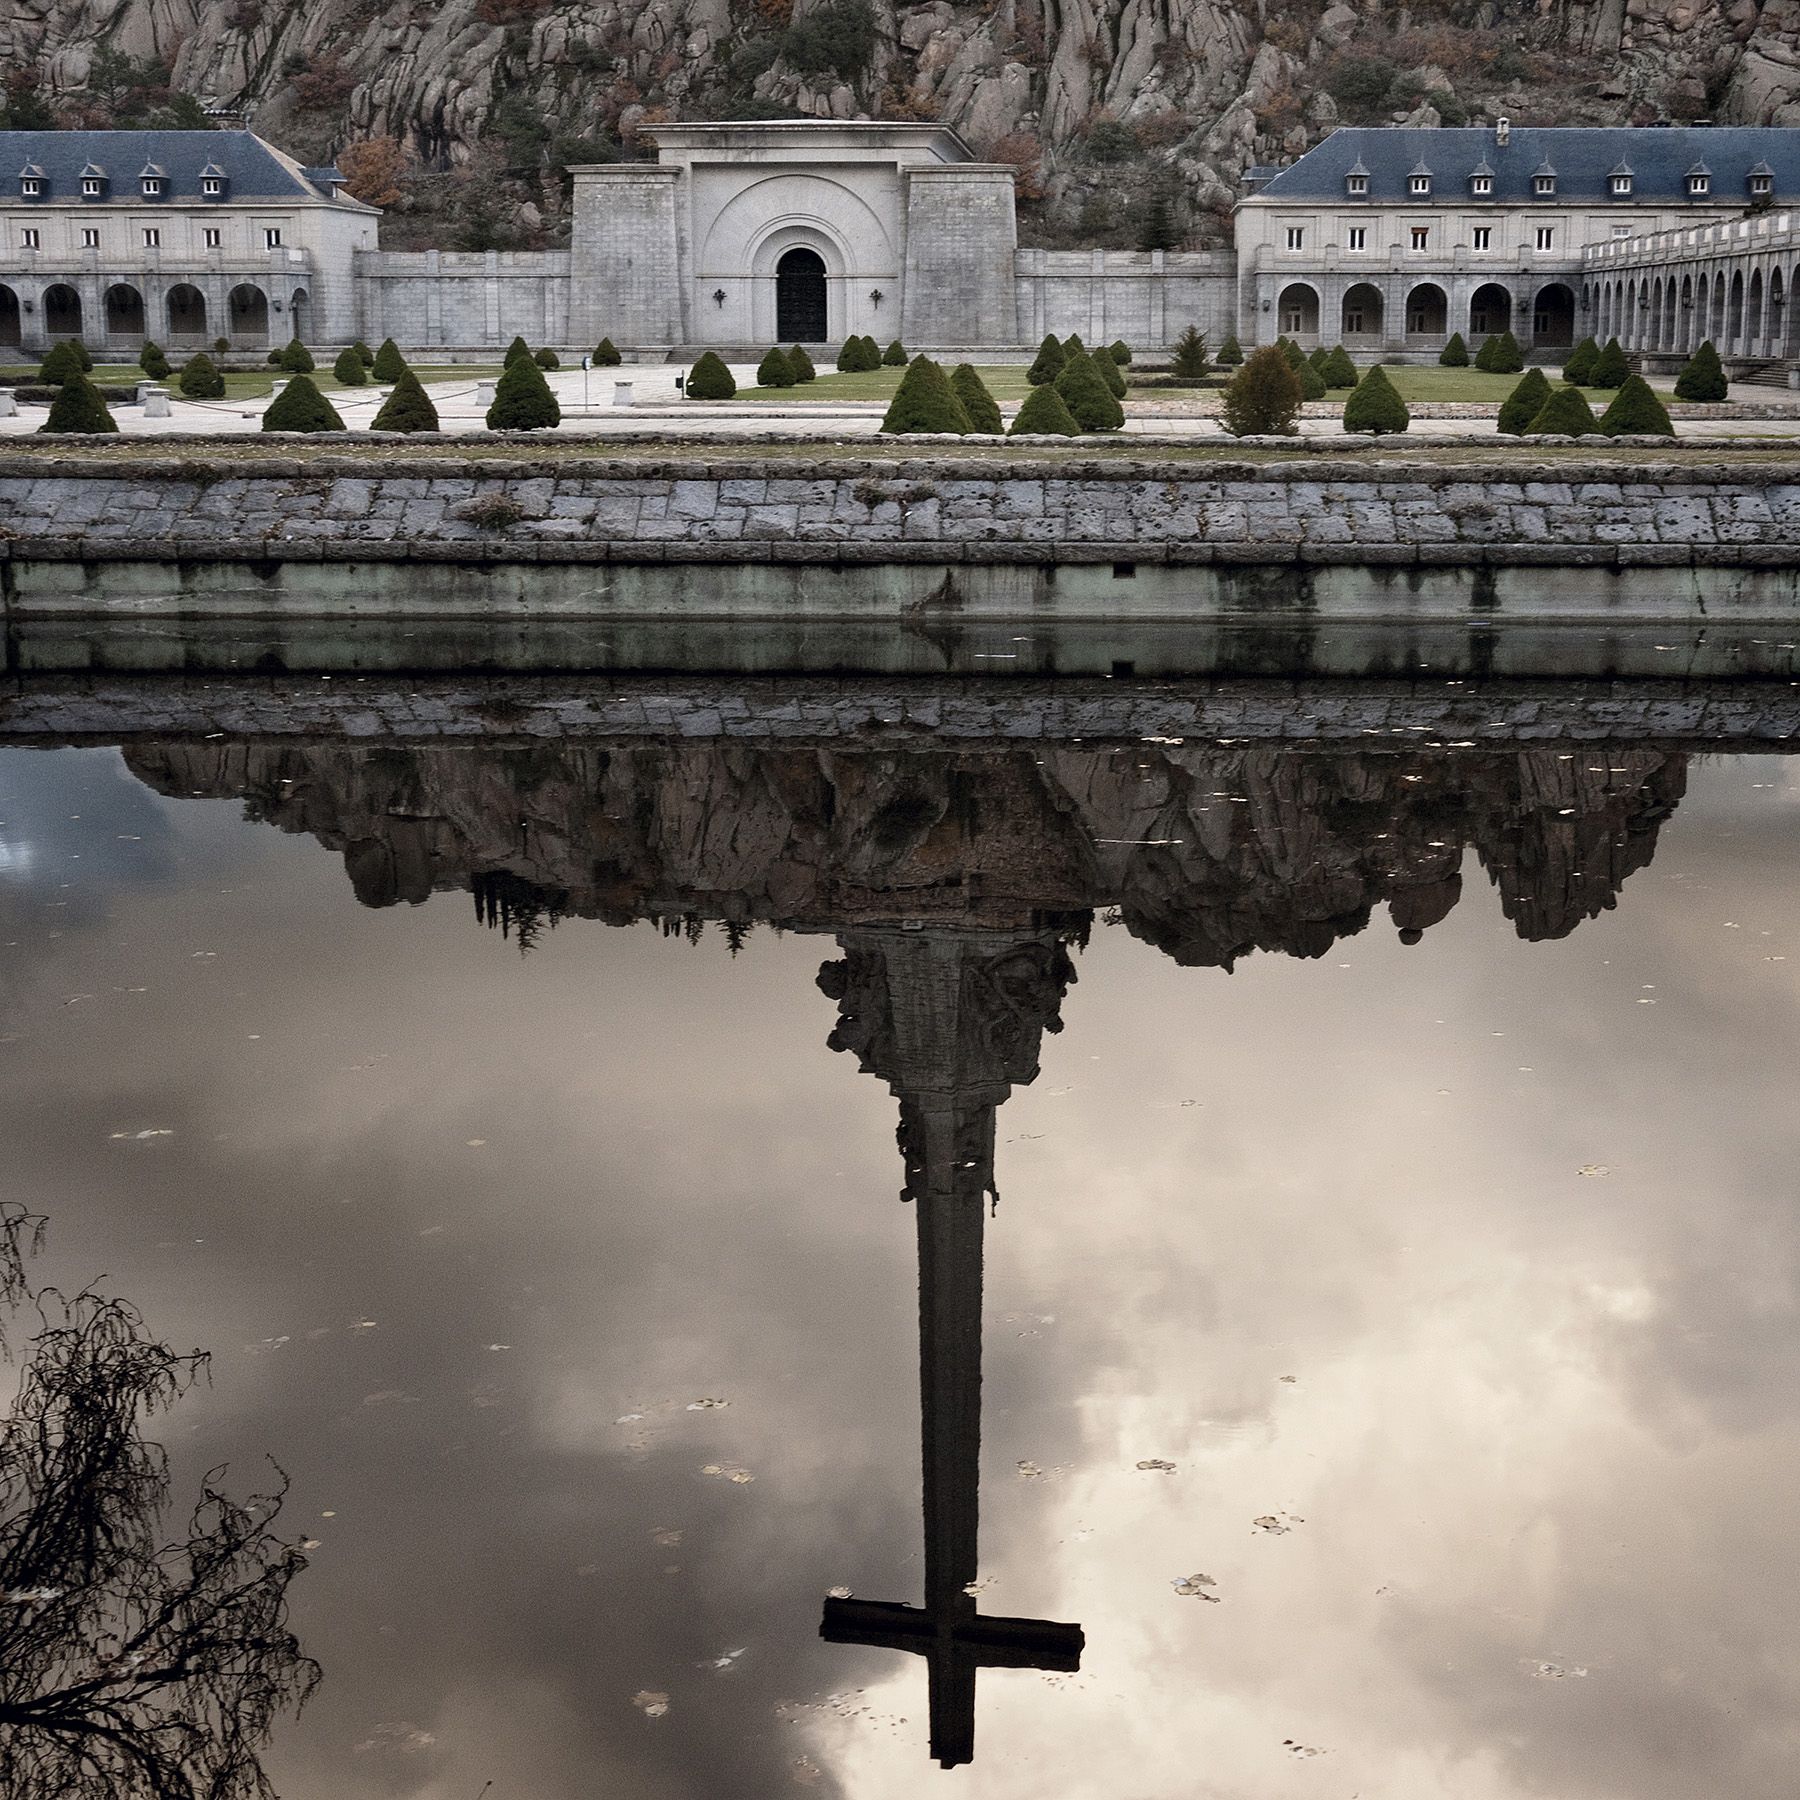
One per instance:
(153,187)
(211,185)
(1482,185)
(1356,184)
(1619,183)
(91,186)
(1762,181)
(1418,184)
(1543,184)
(31,186)
(1699,181)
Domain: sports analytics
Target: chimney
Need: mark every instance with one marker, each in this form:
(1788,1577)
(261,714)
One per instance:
(1502,131)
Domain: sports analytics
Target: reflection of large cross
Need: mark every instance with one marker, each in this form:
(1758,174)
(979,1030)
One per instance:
(947,1139)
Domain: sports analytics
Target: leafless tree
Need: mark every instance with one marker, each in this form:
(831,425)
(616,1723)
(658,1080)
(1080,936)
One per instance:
(131,1668)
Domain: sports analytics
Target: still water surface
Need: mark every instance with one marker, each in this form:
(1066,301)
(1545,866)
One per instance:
(1388,1343)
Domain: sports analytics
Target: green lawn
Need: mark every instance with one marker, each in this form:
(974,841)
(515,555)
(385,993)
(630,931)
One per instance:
(255,385)
(1006,385)
(1427,381)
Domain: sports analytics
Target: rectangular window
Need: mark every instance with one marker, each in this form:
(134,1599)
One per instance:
(1421,236)
(1621,184)
(1543,184)
(1359,237)
(30,239)
(31,187)
(1699,186)
(1482,184)
(1291,320)
(271,237)
(213,237)
(1353,321)
(1623,231)
(1296,237)
(1357,184)
(152,186)
(1419,184)
(90,187)
(90,237)
(1484,237)
(1546,237)
(152,238)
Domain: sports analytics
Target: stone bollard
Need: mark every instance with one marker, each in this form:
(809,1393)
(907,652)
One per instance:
(622,393)
(9,405)
(484,393)
(155,400)
(275,388)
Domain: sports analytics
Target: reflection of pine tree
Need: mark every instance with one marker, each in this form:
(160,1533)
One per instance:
(517,906)
(129,1667)
(736,933)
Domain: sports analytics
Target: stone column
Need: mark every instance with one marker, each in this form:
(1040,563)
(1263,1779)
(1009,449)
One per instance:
(961,240)
(625,276)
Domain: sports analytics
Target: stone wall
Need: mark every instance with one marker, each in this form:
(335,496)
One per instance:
(1145,297)
(426,299)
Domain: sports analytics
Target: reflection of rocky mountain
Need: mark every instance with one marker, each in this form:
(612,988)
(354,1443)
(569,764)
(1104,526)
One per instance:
(1208,851)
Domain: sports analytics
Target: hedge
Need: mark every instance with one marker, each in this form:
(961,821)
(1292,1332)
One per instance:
(301,407)
(1048,363)
(709,379)
(296,359)
(1610,367)
(801,363)
(606,355)
(1087,396)
(1524,403)
(78,407)
(407,408)
(1579,368)
(775,371)
(925,401)
(977,402)
(389,364)
(1702,378)
(1455,354)
(1565,414)
(1044,414)
(1635,409)
(1375,405)
(522,399)
(349,369)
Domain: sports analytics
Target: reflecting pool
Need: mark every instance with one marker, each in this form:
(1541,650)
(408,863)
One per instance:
(1155,1268)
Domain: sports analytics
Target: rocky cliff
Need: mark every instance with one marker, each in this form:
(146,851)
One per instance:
(1130,121)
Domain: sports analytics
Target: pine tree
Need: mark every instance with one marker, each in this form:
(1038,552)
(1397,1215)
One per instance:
(1087,396)
(1044,414)
(407,408)
(1048,363)
(1231,352)
(1375,405)
(1636,412)
(301,407)
(801,363)
(1610,367)
(1524,403)
(1702,378)
(1580,365)
(364,354)
(1565,414)
(925,401)
(606,355)
(522,399)
(389,364)
(348,369)
(296,359)
(1157,228)
(1455,354)
(894,356)
(517,348)
(200,379)
(977,402)
(78,407)
(1120,351)
(775,371)
(1339,370)
(1263,398)
(709,379)
(1191,354)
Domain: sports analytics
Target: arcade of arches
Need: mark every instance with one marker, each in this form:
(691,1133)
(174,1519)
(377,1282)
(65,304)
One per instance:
(1743,309)
(125,313)
(1402,314)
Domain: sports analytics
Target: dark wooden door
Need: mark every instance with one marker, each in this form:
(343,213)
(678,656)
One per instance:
(800,298)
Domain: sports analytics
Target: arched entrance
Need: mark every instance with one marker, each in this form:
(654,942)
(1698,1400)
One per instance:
(62,311)
(1490,310)
(800,308)
(1298,311)
(1362,312)
(1553,316)
(247,309)
(11,332)
(1427,311)
(187,311)
(124,311)
(297,305)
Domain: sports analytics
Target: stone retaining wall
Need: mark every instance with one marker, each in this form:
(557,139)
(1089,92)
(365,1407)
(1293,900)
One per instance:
(1388,509)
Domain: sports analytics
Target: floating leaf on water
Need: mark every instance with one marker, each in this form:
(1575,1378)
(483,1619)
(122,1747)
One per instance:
(652,1706)
(1029,1471)
(1158,1464)
(1549,1671)
(706,1405)
(1196,1586)
(1276,1524)
(1593,1169)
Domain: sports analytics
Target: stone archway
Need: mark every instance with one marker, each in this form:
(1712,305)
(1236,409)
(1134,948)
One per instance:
(12,331)
(300,307)
(1427,311)
(1297,312)
(62,311)
(247,313)
(187,312)
(1361,316)
(1490,310)
(124,311)
(802,297)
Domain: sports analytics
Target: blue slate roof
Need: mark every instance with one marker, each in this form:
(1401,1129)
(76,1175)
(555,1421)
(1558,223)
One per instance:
(1583,158)
(252,169)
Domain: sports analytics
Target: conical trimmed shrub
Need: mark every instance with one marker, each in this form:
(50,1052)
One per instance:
(517,348)
(1048,363)
(1317,355)
(407,408)
(709,379)
(606,355)
(1580,365)
(1087,396)
(775,371)
(389,364)
(1636,410)
(894,356)
(296,359)
(861,356)
(801,363)
(1231,352)
(1500,355)
(62,361)
(1339,370)
(1375,405)
(1044,414)
(301,407)
(1296,357)
(1072,345)
(81,350)
(1455,354)
(1702,378)
(349,370)
(364,354)
(977,402)
(1565,414)
(1312,383)
(1524,403)
(1263,398)
(153,360)
(925,401)
(1610,367)
(200,379)
(1109,373)
(546,359)
(1120,352)
(843,356)
(78,407)
(523,400)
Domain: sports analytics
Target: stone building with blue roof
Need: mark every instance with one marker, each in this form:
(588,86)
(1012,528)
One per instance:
(185,237)
(1389,239)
